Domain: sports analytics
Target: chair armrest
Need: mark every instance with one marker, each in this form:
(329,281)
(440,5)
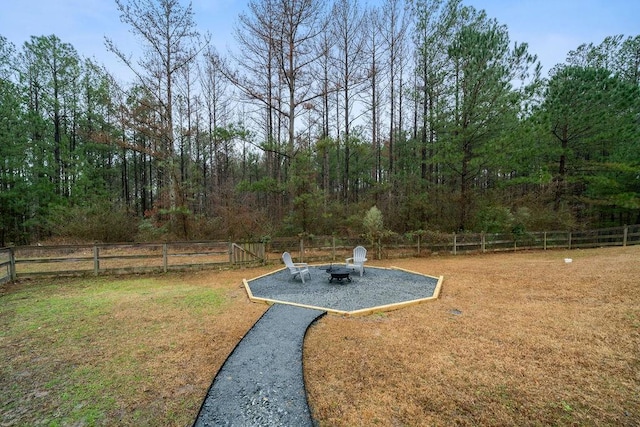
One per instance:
(300,264)
(348,259)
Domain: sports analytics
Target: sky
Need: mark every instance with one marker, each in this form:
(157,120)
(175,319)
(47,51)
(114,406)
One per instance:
(550,27)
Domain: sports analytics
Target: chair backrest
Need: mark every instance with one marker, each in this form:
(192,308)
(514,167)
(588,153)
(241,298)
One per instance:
(286,257)
(359,253)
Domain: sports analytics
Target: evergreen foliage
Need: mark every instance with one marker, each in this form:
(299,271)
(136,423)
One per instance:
(425,110)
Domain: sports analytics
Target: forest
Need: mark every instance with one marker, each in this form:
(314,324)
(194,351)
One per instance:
(420,115)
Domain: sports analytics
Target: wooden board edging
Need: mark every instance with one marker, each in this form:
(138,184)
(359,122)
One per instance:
(413,272)
(270,301)
(436,291)
(247,289)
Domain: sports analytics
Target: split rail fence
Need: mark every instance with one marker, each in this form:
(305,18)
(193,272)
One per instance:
(27,261)
(60,260)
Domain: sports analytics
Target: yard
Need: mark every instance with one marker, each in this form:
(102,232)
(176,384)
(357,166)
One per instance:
(515,339)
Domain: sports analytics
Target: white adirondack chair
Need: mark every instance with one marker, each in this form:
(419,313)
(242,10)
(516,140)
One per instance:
(358,259)
(296,268)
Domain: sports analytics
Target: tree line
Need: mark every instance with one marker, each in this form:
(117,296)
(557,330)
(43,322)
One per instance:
(422,109)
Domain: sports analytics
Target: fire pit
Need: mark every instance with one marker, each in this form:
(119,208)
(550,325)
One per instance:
(338,273)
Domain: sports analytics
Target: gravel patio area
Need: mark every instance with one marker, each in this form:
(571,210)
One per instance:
(377,287)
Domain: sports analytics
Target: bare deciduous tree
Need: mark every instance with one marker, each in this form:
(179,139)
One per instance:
(395,37)
(375,72)
(171,41)
(349,57)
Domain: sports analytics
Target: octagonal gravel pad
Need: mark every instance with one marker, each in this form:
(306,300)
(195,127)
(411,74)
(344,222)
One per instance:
(379,289)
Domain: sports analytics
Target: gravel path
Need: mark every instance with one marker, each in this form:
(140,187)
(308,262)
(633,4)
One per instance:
(261,383)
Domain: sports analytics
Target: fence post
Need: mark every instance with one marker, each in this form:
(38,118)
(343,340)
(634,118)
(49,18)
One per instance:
(544,240)
(454,243)
(333,248)
(165,257)
(624,235)
(569,240)
(483,242)
(96,260)
(302,249)
(12,264)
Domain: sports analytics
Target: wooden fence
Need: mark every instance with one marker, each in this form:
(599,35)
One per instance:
(25,261)
(331,248)
(7,265)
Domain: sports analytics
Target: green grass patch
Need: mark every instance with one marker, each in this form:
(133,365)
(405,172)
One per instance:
(194,299)
(89,347)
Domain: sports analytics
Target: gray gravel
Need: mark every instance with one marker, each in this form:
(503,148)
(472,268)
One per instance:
(378,286)
(261,382)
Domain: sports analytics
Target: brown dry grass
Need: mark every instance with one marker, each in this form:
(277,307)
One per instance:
(535,341)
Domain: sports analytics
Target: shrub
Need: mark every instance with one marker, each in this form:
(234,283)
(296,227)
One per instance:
(100,223)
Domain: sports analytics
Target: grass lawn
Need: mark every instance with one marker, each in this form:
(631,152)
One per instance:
(515,339)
